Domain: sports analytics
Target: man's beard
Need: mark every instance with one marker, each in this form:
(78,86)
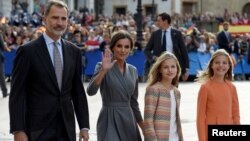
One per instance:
(57,30)
(59,33)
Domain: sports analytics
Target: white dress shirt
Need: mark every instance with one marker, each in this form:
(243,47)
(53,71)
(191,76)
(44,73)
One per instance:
(50,46)
(173,135)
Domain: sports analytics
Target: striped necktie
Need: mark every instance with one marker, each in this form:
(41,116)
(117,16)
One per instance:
(58,66)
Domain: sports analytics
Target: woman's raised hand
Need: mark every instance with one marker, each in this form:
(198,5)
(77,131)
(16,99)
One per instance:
(107,62)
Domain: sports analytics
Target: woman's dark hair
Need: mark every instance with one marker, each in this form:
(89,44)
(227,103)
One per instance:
(122,34)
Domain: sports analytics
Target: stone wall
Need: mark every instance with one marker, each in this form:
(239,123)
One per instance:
(218,6)
(5,7)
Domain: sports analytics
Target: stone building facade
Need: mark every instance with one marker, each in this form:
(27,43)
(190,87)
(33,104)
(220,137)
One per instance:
(148,6)
(33,5)
(218,6)
(177,6)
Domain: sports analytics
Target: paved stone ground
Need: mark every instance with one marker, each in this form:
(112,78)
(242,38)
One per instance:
(189,92)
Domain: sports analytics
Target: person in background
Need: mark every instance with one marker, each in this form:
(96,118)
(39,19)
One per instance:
(93,42)
(242,58)
(224,39)
(46,91)
(204,47)
(166,38)
(137,45)
(217,98)
(191,43)
(162,101)
(78,41)
(118,83)
(248,50)
(105,43)
(2,74)
(17,43)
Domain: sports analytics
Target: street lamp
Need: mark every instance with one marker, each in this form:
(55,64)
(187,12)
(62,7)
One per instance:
(201,4)
(153,9)
(139,22)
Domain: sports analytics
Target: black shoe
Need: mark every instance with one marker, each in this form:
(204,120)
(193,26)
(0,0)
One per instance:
(8,79)
(5,95)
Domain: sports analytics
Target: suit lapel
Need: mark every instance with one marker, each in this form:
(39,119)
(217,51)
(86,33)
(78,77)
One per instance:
(173,34)
(66,61)
(43,53)
(159,36)
(174,42)
(120,77)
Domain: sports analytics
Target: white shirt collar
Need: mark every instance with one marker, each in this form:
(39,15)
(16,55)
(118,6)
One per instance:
(49,40)
(168,29)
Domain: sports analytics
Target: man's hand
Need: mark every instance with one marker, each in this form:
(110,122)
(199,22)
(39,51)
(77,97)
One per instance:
(155,58)
(185,76)
(231,44)
(20,136)
(7,49)
(84,135)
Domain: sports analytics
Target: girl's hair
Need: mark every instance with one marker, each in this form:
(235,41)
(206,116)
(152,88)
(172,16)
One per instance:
(208,73)
(122,34)
(155,75)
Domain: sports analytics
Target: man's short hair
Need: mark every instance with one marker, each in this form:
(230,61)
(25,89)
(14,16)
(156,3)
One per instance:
(165,16)
(57,3)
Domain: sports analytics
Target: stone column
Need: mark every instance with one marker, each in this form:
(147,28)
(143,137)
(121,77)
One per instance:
(31,6)
(70,4)
(5,7)
(178,5)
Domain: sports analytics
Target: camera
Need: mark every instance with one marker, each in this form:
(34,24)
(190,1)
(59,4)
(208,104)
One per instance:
(194,33)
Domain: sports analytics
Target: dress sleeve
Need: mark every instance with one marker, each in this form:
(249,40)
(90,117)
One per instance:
(151,99)
(135,105)
(92,87)
(201,113)
(235,108)
(18,94)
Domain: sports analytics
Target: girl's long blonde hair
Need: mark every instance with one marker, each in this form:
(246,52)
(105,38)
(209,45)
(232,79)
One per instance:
(208,73)
(155,75)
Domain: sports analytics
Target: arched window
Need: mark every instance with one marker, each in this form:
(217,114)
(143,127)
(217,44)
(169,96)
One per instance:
(246,9)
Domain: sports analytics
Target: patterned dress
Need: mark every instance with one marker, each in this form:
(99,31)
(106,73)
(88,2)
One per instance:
(157,113)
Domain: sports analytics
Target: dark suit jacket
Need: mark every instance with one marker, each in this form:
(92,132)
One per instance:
(154,48)
(223,41)
(248,53)
(35,96)
(1,48)
(236,47)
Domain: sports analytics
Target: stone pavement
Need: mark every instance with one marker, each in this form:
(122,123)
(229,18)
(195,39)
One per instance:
(188,90)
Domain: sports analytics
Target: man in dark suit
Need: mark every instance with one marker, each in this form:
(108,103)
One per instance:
(46,87)
(167,39)
(225,39)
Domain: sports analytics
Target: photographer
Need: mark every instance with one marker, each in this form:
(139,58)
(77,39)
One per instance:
(191,41)
(78,41)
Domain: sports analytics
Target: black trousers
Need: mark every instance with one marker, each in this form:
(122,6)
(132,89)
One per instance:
(2,79)
(56,130)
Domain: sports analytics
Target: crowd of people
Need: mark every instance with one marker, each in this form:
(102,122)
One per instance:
(22,27)
(47,91)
